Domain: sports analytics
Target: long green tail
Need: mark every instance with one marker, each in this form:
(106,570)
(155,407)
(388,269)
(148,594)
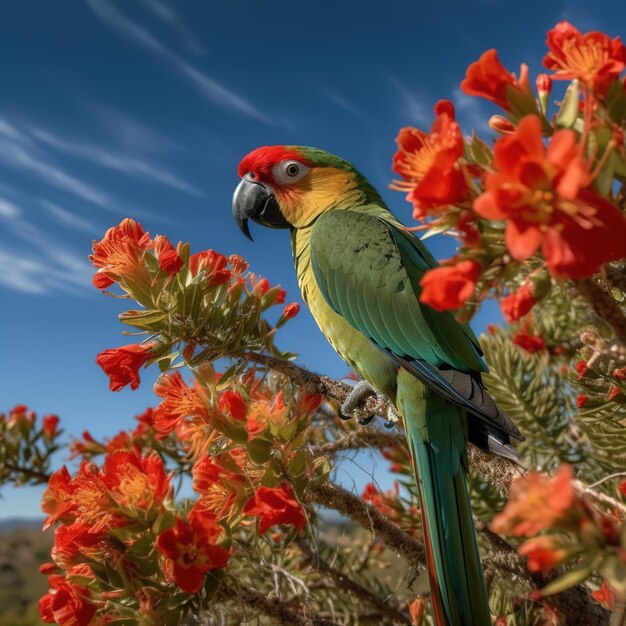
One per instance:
(436,431)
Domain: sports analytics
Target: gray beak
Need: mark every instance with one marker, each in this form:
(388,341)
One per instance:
(253,201)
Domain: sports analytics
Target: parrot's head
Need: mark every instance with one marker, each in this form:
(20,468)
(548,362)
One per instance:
(290,186)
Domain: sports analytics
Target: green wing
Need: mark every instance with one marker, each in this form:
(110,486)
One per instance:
(368,270)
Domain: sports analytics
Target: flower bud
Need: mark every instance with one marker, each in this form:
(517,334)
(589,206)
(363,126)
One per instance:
(501,125)
(544,87)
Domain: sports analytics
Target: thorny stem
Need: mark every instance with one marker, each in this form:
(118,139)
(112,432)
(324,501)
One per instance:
(337,498)
(270,606)
(605,307)
(345,583)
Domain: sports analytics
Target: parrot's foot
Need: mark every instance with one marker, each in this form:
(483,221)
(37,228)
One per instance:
(353,405)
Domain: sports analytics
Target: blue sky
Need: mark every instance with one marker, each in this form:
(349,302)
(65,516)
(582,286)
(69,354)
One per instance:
(143,108)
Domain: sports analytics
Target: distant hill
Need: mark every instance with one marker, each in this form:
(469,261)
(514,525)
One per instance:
(23,548)
(11,523)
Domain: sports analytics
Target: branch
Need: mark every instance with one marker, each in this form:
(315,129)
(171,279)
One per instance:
(31,473)
(337,498)
(363,437)
(605,306)
(271,606)
(500,472)
(349,585)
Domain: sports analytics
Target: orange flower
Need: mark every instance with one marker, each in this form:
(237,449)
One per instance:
(57,501)
(189,547)
(545,197)
(416,610)
(446,288)
(543,554)
(489,79)
(428,163)
(122,365)
(593,58)
(214,265)
(120,254)
(136,483)
(536,502)
(517,304)
(179,402)
(168,258)
(66,603)
(275,505)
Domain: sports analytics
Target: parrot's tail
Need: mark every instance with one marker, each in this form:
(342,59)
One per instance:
(436,431)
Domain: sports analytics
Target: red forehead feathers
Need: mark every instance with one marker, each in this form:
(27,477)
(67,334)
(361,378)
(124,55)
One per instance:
(262,160)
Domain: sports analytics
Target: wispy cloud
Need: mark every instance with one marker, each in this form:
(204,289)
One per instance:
(210,88)
(167,14)
(343,103)
(41,263)
(117,162)
(414,109)
(20,158)
(131,133)
(471,113)
(67,218)
(8,209)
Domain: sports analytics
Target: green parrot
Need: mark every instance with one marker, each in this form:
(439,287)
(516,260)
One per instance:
(359,272)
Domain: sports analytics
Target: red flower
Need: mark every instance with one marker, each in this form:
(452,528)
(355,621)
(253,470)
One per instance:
(543,82)
(489,79)
(280,296)
(291,310)
(517,304)
(543,554)
(168,258)
(622,488)
(232,403)
(190,548)
(528,342)
(428,163)
(262,287)
(545,197)
(582,368)
(213,264)
(536,502)
(122,365)
(446,288)
(619,373)
(66,603)
(275,505)
(593,58)
(581,400)
(49,426)
(120,254)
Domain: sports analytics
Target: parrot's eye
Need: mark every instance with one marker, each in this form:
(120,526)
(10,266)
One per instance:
(289,172)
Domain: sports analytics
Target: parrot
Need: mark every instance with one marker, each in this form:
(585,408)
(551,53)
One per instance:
(359,272)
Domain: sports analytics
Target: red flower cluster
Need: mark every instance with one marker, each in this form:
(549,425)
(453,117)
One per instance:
(594,59)
(545,198)
(190,551)
(517,304)
(429,163)
(275,505)
(167,256)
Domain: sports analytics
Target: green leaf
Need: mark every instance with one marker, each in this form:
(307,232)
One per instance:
(568,113)
(260,450)
(566,581)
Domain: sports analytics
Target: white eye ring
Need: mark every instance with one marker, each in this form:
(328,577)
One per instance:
(288,172)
